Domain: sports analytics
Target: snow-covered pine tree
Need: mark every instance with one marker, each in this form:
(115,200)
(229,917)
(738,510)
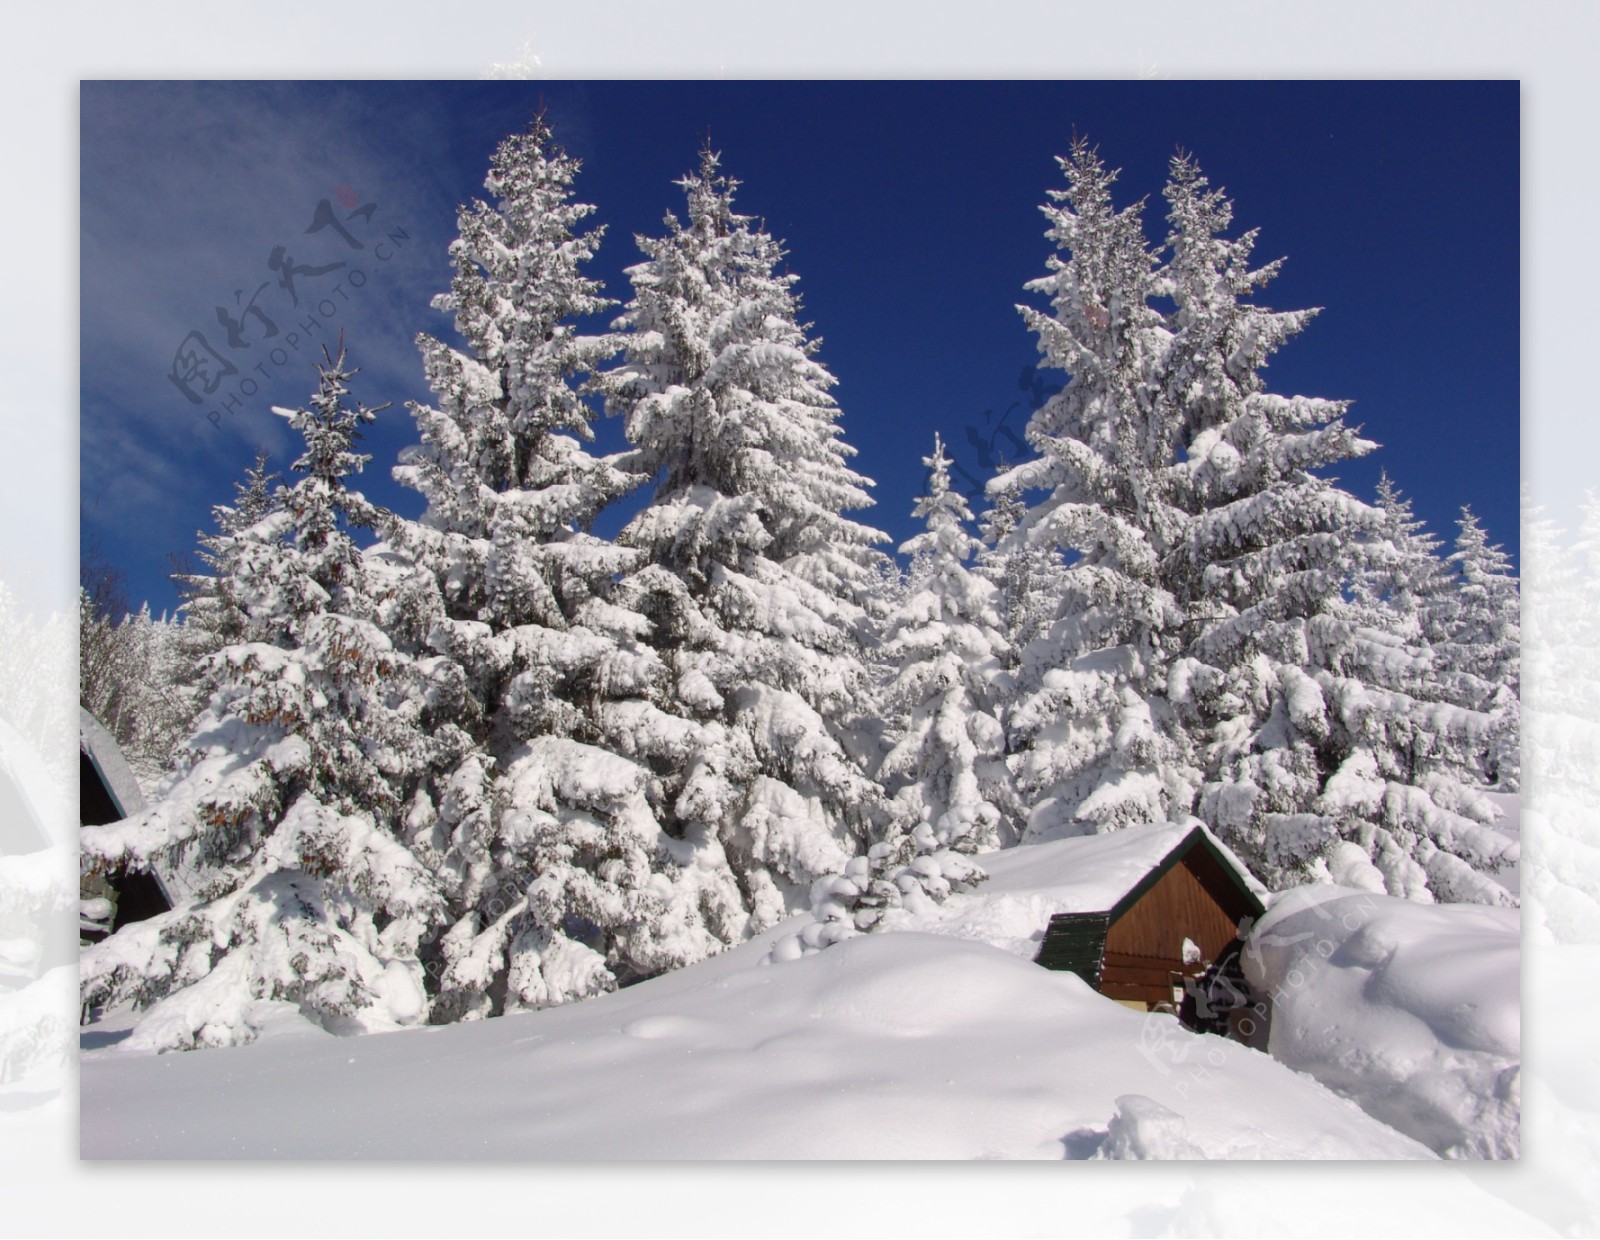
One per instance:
(1096,745)
(146,678)
(560,881)
(1313,763)
(210,613)
(281,816)
(1479,620)
(1477,641)
(1406,573)
(947,765)
(212,616)
(753,580)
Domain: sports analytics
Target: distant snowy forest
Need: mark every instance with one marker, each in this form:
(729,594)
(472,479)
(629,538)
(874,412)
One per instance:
(434,770)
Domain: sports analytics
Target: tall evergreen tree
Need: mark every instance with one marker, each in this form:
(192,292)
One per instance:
(1299,694)
(1232,624)
(560,879)
(754,581)
(1097,745)
(282,814)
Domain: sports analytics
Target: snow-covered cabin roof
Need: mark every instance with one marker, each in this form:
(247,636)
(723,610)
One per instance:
(1097,873)
(100,747)
(1127,909)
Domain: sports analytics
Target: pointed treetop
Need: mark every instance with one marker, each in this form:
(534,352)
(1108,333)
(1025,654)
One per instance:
(330,424)
(945,510)
(710,195)
(1474,557)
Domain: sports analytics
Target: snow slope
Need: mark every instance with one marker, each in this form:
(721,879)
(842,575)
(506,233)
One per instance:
(1412,1010)
(888,1046)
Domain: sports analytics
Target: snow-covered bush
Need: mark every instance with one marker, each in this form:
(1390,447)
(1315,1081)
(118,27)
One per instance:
(912,872)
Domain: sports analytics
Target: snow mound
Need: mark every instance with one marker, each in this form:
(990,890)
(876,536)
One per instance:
(1411,1010)
(891,1046)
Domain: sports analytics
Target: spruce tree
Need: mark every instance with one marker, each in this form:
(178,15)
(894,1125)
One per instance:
(212,616)
(1235,634)
(1024,574)
(1097,746)
(560,880)
(1478,642)
(1324,739)
(754,581)
(1406,574)
(947,767)
(281,818)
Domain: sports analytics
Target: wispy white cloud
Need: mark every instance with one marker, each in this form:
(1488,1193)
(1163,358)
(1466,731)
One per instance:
(187,190)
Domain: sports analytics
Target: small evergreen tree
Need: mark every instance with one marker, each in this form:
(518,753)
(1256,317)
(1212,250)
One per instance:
(281,817)
(1025,576)
(1405,573)
(888,887)
(1478,642)
(213,616)
(1478,621)
(947,767)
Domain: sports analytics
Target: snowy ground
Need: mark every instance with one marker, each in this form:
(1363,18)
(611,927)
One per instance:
(887,1046)
(901,1045)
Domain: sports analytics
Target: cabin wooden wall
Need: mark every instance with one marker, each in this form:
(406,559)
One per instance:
(1144,947)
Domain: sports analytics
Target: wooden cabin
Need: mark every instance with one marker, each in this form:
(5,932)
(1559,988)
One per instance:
(1165,936)
(108,792)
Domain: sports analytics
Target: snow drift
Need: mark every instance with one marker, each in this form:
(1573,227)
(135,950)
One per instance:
(1411,1010)
(894,1046)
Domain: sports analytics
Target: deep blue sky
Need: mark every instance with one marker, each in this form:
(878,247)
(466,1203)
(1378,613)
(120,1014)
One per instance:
(910,211)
